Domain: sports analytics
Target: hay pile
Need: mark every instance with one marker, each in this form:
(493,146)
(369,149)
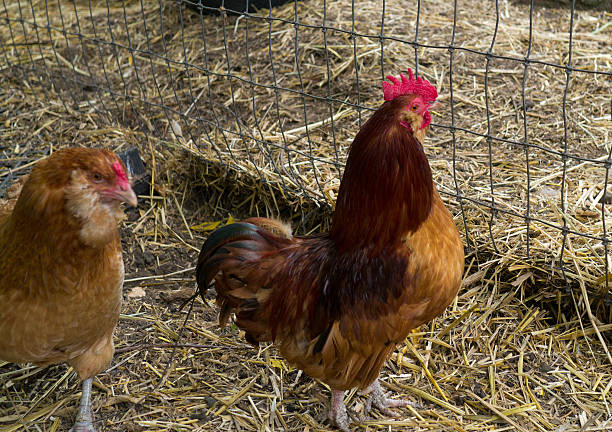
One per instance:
(218,104)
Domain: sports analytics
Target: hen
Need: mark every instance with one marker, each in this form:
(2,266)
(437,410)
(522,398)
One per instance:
(61,269)
(337,304)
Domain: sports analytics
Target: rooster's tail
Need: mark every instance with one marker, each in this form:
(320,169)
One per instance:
(217,249)
(237,258)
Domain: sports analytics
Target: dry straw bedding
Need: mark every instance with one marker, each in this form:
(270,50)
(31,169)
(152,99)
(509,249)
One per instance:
(507,355)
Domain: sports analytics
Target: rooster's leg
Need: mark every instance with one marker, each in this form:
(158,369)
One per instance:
(337,412)
(83,421)
(380,400)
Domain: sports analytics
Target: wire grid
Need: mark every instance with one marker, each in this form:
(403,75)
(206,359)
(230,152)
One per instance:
(94,57)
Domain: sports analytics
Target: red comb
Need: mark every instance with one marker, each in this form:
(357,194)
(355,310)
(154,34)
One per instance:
(122,179)
(409,85)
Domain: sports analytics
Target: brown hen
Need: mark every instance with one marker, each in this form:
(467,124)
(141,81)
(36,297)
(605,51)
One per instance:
(61,268)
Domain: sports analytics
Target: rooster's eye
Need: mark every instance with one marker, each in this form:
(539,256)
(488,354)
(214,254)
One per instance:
(96,177)
(414,107)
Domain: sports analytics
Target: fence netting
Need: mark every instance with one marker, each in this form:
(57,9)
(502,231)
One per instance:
(520,144)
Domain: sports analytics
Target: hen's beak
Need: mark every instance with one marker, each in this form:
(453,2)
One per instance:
(126,194)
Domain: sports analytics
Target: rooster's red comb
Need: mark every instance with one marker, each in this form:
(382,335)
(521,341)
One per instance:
(409,85)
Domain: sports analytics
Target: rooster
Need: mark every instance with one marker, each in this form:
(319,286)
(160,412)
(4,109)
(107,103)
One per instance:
(61,269)
(337,304)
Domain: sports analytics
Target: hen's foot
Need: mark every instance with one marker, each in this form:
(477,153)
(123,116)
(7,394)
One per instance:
(83,422)
(82,426)
(337,412)
(378,399)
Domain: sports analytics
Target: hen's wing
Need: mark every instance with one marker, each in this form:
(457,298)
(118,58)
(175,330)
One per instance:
(63,311)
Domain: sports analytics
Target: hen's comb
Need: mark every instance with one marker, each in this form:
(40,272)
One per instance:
(122,179)
(409,85)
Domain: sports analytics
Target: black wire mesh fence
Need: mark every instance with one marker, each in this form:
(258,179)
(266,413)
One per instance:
(520,145)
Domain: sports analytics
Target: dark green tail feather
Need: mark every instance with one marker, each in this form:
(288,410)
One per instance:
(213,252)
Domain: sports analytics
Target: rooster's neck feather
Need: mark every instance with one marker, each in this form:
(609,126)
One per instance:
(387,187)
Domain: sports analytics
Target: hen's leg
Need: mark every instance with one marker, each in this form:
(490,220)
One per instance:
(83,421)
(337,412)
(380,400)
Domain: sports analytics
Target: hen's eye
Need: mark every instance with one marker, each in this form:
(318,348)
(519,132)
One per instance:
(96,177)
(414,107)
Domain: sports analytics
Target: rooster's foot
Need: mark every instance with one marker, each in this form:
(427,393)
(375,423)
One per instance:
(337,412)
(378,399)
